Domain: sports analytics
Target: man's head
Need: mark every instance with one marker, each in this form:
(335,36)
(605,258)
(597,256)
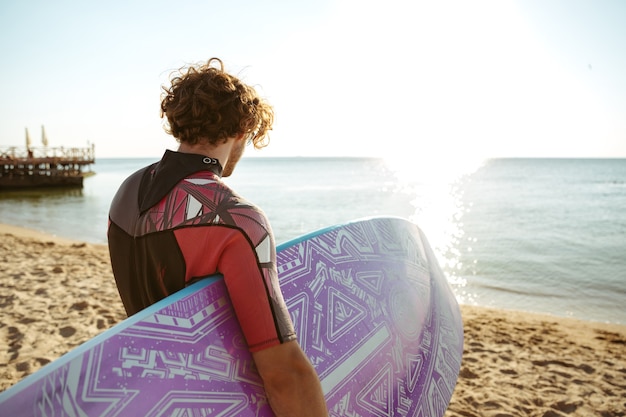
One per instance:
(206,104)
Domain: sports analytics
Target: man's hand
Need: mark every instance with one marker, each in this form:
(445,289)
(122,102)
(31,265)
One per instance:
(291,383)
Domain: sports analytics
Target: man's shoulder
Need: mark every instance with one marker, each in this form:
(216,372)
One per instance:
(125,204)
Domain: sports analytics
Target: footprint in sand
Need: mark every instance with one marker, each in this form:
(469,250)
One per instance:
(43,361)
(584,367)
(567,407)
(15,337)
(67,331)
(80,306)
(22,367)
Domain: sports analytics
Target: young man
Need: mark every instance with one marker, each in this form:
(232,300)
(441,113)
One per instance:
(175,222)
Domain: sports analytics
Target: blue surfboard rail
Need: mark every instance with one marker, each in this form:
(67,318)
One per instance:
(324,230)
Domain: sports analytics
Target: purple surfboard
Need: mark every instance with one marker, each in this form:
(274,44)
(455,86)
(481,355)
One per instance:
(372,309)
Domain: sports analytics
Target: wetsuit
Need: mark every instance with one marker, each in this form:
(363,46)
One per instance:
(175,222)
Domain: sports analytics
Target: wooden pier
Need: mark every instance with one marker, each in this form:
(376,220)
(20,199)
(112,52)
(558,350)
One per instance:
(30,167)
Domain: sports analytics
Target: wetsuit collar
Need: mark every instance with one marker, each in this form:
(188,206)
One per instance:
(160,178)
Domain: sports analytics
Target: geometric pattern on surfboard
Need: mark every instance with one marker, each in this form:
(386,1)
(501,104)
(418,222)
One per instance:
(376,317)
(372,310)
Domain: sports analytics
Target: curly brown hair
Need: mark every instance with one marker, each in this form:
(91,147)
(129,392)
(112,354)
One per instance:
(207,104)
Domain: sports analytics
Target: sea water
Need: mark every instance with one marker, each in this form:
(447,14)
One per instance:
(542,235)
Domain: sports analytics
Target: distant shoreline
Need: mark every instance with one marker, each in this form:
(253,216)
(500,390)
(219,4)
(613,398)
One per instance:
(26,232)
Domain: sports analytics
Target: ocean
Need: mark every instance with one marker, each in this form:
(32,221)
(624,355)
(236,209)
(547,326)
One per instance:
(539,235)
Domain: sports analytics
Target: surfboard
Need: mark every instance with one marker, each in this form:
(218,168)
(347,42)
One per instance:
(372,309)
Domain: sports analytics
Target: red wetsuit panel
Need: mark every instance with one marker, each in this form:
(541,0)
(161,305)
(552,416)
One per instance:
(233,256)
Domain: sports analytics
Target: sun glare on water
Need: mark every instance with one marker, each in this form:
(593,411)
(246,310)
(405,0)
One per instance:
(435,185)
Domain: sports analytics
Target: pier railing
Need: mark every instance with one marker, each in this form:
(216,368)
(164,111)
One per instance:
(44,154)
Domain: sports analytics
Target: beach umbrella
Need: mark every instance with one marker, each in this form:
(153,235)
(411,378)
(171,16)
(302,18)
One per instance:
(27,139)
(44,138)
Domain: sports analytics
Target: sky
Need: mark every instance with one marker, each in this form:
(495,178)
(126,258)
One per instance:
(430,80)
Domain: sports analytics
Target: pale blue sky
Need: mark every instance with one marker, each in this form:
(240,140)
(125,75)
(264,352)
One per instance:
(449,80)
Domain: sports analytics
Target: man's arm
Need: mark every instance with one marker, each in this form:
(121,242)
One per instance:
(291,383)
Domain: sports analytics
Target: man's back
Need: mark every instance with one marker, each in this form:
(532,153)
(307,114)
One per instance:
(175,222)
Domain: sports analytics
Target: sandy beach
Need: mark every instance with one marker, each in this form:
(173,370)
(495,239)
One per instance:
(55,294)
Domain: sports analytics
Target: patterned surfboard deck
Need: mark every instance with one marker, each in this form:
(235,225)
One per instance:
(372,310)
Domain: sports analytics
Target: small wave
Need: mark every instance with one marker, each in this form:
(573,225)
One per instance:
(516,291)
